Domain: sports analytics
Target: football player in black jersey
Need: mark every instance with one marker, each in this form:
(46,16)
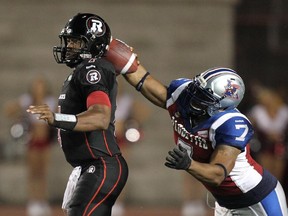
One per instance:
(85,118)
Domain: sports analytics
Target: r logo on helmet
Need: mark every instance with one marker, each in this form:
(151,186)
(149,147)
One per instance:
(93,76)
(96,26)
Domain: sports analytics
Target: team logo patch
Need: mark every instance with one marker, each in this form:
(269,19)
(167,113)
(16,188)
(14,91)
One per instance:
(96,26)
(93,76)
(91,169)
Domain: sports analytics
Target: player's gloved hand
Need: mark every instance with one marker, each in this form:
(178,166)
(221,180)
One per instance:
(178,158)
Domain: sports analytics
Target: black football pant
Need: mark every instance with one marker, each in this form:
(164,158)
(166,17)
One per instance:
(98,187)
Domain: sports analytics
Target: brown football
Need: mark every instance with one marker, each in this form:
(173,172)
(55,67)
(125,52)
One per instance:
(122,57)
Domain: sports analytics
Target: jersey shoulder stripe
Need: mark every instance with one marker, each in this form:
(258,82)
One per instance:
(225,117)
(231,127)
(175,89)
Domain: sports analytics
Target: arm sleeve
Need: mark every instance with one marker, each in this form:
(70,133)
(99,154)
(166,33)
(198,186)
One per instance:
(95,76)
(236,131)
(98,97)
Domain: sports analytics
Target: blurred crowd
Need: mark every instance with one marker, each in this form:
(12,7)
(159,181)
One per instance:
(269,116)
(37,138)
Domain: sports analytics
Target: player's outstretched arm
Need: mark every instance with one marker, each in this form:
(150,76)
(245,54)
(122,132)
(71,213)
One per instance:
(96,117)
(151,88)
(221,163)
(213,173)
(125,62)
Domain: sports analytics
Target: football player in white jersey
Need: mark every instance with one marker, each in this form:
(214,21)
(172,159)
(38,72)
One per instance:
(212,139)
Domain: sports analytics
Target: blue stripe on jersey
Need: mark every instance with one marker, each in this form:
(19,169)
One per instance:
(210,73)
(271,204)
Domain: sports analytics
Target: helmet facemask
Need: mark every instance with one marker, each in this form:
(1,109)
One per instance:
(201,101)
(68,55)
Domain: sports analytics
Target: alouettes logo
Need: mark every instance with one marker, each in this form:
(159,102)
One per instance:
(231,90)
(182,132)
(93,76)
(96,26)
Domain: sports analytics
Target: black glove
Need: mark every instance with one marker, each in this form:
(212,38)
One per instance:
(178,159)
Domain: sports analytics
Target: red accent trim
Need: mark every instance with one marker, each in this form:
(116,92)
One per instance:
(252,162)
(106,144)
(88,147)
(102,183)
(118,179)
(98,97)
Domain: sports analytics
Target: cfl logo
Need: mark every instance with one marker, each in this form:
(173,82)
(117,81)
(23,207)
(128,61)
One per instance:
(93,76)
(97,27)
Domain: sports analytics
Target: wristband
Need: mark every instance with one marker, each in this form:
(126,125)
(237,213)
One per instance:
(224,168)
(141,82)
(64,121)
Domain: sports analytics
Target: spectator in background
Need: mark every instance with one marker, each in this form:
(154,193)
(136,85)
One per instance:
(38,144)
(270,119)
(130,116)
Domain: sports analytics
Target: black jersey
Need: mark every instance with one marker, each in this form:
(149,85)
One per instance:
(82,147)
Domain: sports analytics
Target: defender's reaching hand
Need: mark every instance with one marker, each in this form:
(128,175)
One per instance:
(178,158)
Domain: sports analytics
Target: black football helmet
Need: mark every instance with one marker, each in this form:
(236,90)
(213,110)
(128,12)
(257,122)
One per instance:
(94,34)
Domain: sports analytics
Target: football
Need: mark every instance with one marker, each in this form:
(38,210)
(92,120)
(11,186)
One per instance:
(122,57)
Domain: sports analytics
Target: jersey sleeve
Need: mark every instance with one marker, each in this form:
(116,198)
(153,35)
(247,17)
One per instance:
(174,84)
(175,89)
(96,75)
(235,131)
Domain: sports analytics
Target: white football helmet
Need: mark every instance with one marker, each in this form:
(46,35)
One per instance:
(215,90)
